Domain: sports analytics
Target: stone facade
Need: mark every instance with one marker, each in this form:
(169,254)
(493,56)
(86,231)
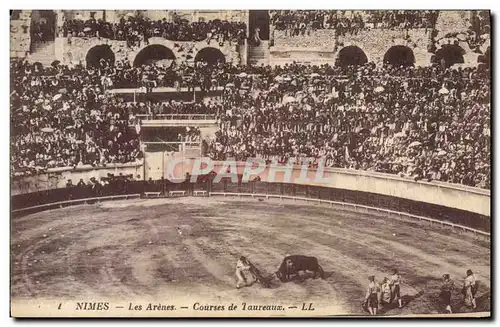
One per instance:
(75,52)
(317,47)
(319,39)
(20,38)
(323,46)
(452,27)
(452,22)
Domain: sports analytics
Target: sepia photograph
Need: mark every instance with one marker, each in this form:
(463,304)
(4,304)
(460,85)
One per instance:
(316,163)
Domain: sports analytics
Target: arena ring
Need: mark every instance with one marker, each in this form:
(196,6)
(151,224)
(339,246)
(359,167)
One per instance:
(126,249)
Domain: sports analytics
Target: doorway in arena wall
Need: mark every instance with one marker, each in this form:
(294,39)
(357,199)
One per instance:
(351,56)
(258,20)
(99,55)
(155,54)
(210,56)
(399,55)
(43,25)
(450,54)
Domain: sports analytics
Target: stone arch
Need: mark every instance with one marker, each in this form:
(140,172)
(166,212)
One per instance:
(351,55)
(154,53)
(450,54)
(98,53)
(210,55)
(399,55)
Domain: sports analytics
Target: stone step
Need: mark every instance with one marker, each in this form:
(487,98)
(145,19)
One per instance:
(258,62)
(43,46)
(42,55)
(259,57)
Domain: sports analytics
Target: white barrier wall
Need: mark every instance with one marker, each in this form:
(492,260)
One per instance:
(449,195)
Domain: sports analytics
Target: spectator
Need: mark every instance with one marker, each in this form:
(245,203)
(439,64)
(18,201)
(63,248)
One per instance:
(301,22)
(426,123)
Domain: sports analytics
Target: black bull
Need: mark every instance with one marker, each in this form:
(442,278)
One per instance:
(294,263)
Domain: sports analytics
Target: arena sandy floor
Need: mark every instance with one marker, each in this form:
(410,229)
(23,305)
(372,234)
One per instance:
(131,249)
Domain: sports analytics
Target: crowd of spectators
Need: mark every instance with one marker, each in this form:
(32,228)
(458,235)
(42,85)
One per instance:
(158,75)
(424,123)
(301,22)
(137,29)
(171,107)
(428,123)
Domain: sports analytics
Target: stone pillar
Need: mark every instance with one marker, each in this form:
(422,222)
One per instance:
(422,58)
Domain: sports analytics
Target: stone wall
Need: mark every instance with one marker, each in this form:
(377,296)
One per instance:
(470,57)
(321,46)
(319,39)
(76,51)
(20,38)
(455,196)
(229,15)
(452,28)
(190,15)
(376,42)
(280,57)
